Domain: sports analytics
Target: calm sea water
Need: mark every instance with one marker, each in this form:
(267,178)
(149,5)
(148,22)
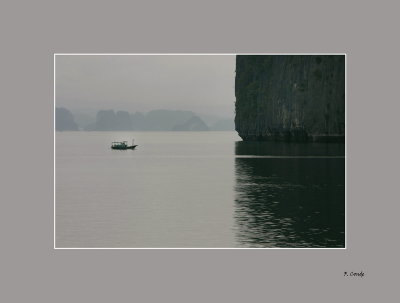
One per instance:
(197,189)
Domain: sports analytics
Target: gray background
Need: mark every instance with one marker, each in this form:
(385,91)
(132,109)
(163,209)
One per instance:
(32,271)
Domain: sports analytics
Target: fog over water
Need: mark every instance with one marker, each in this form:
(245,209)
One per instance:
(200,83)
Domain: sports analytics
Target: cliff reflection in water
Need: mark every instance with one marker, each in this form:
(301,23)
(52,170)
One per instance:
(290,194)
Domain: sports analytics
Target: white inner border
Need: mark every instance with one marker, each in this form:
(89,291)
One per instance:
(196,54)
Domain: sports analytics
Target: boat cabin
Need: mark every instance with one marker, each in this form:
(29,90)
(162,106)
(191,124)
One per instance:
(122,144)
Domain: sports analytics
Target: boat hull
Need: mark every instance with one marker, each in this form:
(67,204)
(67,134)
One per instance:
(123,147)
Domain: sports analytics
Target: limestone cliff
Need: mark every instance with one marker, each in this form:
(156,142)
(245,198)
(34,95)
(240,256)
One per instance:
(290,98)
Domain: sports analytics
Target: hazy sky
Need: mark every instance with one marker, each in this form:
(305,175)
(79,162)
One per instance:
(200,83)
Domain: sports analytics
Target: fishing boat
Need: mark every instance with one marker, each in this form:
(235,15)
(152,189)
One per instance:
(122,145)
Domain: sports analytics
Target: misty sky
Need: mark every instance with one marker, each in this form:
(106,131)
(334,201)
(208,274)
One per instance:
(200,83)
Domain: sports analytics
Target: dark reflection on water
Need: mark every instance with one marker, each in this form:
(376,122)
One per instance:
(296,199)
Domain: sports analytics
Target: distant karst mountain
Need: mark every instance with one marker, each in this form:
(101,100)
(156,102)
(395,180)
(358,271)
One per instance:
(165,120)
(83,119)
(156,120)
(193,124)
(138,121)
(65,120)
(108,120)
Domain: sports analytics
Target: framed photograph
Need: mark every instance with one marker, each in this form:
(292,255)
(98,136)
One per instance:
(233,151)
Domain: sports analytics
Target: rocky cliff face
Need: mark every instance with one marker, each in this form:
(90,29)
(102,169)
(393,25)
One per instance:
(290,98)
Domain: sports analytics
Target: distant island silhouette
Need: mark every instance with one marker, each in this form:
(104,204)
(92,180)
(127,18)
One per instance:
(65,120)
(155,120)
